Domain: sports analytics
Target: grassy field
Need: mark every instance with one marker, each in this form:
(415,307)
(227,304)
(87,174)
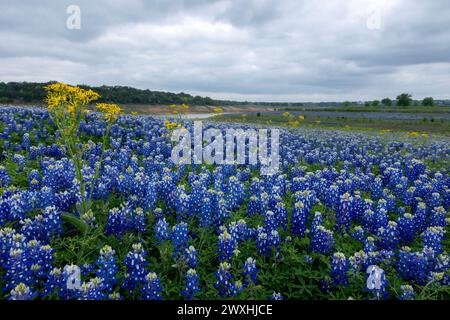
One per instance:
(435,126)
(410,109)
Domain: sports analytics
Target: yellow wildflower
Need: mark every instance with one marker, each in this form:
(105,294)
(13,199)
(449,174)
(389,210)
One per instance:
(414,134)
(110,110)
(70,99)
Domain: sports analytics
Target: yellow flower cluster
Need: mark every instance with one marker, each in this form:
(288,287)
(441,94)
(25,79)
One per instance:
(178,108)
(218,110)
(71,99)
(416,134)
(171,125)
(110,110)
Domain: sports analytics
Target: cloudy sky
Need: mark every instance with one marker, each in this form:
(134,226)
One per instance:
(264,50)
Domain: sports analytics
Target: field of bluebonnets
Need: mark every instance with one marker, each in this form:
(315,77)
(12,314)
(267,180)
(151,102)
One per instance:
(349,215)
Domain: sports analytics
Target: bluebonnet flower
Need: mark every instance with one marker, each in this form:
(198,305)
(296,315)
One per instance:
(356,261)
(43,226)
(275,240)
(20,160)
(359,234)
(250,270)
(236,288)
(253,206)
(433,238)
(317,220)
(308,258)
(125,219)
(46,197)
(222,212)
(207,218)
(136,265)
(263,243)
(281,214)
(28,262)
(34,180)
(107,268)
(22,292)
(434,200)
(162,231)
(406,227)
(322,240)
(276,296)
(338,271)
(191,257)
(224,278)
(226,246)
(152,289)
(438,218)
(87,269)
(92,290)
(270,221)
(414,265)
(235,193)
(192,284)
(116,223)
(344,214)
(5,179)
(26,141)
(183,205)
(239,230)
(407,292)
(377,188)
(56,283)
(180,240)
(389,236)
(158,213)
(299,219)
(14,205)
(369,245)
(420,217)
(114,296)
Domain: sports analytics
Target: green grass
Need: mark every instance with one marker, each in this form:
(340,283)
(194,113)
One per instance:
(410,109)
(440,126)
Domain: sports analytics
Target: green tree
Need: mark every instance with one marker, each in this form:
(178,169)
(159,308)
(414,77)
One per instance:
(346,104)
(386,102)
(375,103)
(428,101)
(404,100)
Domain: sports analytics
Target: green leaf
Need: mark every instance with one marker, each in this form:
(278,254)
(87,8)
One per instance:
(75,221)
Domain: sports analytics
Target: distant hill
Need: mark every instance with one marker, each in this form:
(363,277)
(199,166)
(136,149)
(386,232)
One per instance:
(33,92)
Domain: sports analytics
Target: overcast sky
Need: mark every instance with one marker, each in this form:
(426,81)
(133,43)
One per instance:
(264,50)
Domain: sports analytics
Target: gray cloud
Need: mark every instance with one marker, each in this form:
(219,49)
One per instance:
(244,49)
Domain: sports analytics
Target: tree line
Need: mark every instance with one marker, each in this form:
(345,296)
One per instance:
(402,100)
(33,92)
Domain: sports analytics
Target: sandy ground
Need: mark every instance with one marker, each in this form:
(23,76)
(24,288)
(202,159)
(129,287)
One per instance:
(161,109)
